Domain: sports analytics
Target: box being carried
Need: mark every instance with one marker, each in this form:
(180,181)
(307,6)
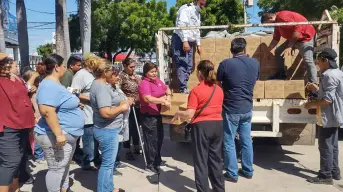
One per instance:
(177,100)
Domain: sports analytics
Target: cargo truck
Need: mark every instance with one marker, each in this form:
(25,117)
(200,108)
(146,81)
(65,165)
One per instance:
(278,110)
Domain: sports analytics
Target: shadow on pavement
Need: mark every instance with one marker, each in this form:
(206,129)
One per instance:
(87,179)
(273,157)
(39,184)
(175,181)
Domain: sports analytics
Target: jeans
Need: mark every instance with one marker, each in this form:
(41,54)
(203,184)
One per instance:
(240,123)
(207,140)
(108,142)
(183,61)
(328,149)
(90,146)
(58,159)
(153,135)
(38,153)
(306,50)
(13,145)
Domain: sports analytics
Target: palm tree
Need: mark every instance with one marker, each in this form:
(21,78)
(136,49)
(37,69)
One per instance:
(62,29)
(3,10)
(23,38)
(85,10)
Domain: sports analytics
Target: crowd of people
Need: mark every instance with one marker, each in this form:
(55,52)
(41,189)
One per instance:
(51,110)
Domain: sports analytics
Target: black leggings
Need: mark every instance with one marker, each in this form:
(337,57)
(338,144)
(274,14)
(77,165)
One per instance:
(153,138)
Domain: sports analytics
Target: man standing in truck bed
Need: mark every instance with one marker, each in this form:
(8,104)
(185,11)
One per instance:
(183,41)
(297,37)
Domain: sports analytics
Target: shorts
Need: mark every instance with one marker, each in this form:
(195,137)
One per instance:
(13,144)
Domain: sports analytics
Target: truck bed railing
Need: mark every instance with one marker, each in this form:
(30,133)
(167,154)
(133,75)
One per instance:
(248,25)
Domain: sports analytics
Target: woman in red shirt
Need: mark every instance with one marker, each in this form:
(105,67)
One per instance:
(16,119)
(153,93)
(207,128)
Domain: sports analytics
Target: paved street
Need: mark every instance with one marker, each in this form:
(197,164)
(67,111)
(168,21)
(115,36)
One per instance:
(277,169)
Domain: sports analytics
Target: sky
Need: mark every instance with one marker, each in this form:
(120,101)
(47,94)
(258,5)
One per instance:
(43,11)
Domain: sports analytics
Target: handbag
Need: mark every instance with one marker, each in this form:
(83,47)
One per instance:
(188,126)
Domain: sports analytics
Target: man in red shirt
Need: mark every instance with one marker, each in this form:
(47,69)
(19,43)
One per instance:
(297,37)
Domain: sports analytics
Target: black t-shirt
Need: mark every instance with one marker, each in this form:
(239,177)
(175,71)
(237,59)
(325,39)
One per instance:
(238,76)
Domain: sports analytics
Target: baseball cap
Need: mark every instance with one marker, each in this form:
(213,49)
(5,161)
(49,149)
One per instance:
(331,56)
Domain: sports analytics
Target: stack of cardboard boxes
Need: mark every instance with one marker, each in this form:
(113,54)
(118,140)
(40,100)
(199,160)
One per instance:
(218,49)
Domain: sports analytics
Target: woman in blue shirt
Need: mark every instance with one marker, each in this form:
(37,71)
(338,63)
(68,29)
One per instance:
(60,126)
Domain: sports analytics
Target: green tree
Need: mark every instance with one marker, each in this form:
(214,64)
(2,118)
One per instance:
(216,12)
(45,50)
(120,26)
(74,32)
(311,9)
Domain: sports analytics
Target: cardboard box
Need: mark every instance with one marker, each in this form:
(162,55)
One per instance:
(223,45)
(274,89)
(192,84)
(207,56)
(208,45)
(172,110)
(294,89)
(259,90)
(177,99)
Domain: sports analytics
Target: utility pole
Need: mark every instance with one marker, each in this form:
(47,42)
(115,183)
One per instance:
(245,15)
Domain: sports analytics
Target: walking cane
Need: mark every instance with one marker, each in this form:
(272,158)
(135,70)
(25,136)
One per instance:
(139,135)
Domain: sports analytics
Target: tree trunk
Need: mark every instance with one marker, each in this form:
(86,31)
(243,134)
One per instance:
(62,30)
(22,34)
(85,11)
(2,32)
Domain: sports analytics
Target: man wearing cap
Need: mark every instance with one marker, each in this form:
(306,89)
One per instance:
(183,41)
(330,104)
(297,37)
(73,65)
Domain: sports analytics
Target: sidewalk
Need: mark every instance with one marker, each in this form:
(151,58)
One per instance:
(277,169)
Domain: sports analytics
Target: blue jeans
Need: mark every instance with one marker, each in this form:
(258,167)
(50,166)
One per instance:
(240,123)
(90,146)
(108,142)
(38,153)
(183,61)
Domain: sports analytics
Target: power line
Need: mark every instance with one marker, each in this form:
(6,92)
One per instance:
(40,25)
(42,12)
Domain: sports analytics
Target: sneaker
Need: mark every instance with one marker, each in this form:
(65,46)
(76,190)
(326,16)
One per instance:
(152,170)
(337,177)
(320,180)
(241,173)
(117,173)
(88,167)
(130,156)
(120,165)
(229,178)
